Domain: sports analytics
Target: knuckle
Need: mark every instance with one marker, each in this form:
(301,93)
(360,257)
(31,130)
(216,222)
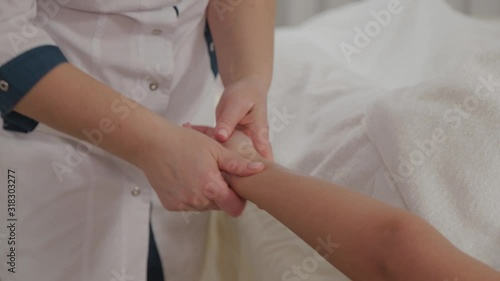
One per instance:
(234,166)
(211,176)
(213,187)
(212,190)
(262,135)
(200,201)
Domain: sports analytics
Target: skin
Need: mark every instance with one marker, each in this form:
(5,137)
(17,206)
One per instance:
(243,34)
(183,166)
(375,241)
(179,163)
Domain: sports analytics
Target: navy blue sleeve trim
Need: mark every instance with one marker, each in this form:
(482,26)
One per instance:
(18,77)
(211,50)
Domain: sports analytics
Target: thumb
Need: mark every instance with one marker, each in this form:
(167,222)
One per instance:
(229,119)
(206,130)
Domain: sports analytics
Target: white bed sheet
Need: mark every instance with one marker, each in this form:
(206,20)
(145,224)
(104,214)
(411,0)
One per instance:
(324,135)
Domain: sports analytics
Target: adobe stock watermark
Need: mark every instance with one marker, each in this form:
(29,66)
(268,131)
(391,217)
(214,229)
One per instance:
(122,275)
(455,117)
(30,28)
(310,264)
(364,36)
(120,108)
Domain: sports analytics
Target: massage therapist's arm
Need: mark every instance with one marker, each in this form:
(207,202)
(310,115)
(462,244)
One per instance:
(170,156)
(377,242)
(73,102)
(243,33)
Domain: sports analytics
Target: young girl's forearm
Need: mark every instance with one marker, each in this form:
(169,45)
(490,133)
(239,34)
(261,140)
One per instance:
(317,213)
(371,240)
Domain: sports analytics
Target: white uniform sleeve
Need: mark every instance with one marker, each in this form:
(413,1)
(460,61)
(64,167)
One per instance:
(21,27)
(27,53)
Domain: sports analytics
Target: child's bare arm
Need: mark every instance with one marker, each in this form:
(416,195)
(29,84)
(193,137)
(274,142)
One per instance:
(372,240)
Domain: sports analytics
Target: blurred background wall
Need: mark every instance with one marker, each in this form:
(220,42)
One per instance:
(292,12)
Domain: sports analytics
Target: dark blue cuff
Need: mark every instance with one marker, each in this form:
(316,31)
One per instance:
(211,50)
(18,76)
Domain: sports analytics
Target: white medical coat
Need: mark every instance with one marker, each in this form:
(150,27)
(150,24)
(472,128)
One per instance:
(90,222)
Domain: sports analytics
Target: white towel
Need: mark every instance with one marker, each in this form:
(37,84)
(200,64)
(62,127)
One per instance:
(440,142)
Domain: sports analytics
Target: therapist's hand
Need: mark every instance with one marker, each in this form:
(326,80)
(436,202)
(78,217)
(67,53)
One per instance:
(244,105)
(238,142)
(184,167)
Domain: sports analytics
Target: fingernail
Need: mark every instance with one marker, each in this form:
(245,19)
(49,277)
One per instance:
(255,165)
(223,133)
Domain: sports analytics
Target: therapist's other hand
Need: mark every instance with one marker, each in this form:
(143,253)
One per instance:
(244,105)
(184,167)
(238,142)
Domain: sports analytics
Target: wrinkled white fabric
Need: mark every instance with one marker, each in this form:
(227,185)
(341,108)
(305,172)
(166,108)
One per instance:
(330,135)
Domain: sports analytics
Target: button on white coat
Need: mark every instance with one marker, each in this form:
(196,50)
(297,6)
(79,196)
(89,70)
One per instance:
(153,86)
(136,191)
(157,32)
(4,86)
